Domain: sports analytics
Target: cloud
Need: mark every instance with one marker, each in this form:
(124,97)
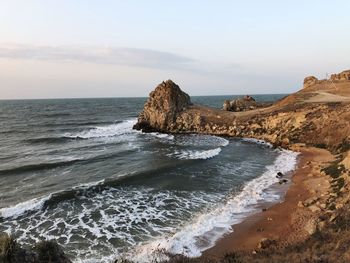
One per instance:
(102,55)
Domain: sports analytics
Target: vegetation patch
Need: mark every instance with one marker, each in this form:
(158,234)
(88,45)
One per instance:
(344,146)
(321,145)
(334,170)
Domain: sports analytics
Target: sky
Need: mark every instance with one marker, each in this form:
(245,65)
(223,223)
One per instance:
(86,48)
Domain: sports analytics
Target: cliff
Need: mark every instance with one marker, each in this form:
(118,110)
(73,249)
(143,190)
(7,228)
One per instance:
(321,109)
(162,107)
(315,121)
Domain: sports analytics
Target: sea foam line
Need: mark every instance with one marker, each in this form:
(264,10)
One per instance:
(207,228)
(195,155)
(21,208)
(105,131)
(38,203)
(261,142)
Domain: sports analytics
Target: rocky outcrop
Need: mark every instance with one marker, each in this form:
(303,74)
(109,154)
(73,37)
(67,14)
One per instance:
(342,76)
(294,121)
(45,251)
(310,81)
(245,103)
(162,107)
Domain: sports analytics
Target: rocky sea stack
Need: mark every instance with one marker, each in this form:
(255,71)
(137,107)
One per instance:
(162,107)
(318,109)
(245,103)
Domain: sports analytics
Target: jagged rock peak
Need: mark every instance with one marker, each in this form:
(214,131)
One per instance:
(310,81)
(345,75)
(340,77)
(162,107)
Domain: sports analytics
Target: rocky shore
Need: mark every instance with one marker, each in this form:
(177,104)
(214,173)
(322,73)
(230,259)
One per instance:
(313,223)
(314,121)
(42,252)
(295,119)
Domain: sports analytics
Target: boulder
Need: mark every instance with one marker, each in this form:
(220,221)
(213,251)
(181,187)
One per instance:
(241,104)
(226,106)
(45,251)
(162,107)
(279,175)
(283,181)
(310,81)
(11,251)
(50,251)
(267,243)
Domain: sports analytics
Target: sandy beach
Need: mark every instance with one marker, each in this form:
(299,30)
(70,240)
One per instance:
(287,222)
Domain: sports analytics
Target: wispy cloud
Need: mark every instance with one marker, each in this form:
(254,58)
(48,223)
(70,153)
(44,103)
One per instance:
(103,55)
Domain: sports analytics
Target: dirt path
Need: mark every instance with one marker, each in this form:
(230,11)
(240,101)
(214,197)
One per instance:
(327,97)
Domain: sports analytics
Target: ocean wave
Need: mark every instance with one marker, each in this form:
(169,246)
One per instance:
(204,140)
(21,208)
(114,214)
(50,115)
(162,135)
(65,162)
(49,140)
(195,155)
(122,128)
(40,203)
(205,229)
(39,166)
(77,123)
(260,142)
(84,189)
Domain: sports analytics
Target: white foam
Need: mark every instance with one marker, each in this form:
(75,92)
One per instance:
(205,229)
(224,142)
(37,203)
(194,155)
(21,208)
(122,213)
(105,131)
(261,142)
(88,185)
(201,140)
(162,135)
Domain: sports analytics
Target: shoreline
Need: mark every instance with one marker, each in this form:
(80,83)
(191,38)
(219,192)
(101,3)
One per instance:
(284,223)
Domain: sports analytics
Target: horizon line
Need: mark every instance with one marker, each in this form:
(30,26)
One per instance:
(135,97)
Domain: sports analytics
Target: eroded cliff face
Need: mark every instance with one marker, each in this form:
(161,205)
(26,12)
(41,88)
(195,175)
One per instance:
(295,119)
(162,107)
(318,116)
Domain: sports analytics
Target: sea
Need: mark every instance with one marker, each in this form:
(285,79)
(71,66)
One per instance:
(75,171)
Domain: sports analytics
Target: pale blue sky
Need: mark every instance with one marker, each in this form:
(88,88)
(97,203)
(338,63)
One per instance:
(124,48)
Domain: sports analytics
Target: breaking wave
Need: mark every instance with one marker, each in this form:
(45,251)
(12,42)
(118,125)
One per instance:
(195,155)
(122,128)
(206,228)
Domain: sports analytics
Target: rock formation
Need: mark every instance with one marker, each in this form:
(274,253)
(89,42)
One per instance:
(291,120)
(310,81)
(296,122)
(342,76)
(162,107)
(337,78)
(241,104)
(45,251)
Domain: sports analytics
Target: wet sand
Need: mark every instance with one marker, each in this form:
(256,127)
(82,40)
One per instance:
(287,221)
